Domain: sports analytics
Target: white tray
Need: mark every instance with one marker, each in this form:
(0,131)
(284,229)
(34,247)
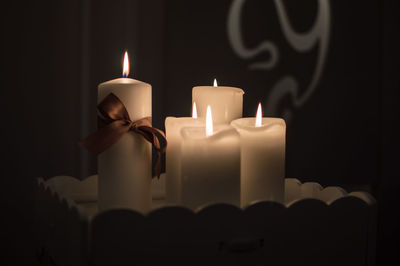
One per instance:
(315,226)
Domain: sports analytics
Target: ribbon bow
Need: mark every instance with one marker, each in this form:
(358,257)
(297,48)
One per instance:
(114,122)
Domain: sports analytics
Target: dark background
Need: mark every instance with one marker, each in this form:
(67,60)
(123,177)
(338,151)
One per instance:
(56,52)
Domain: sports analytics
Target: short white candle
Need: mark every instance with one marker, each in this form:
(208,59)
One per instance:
(210,165)
(262,158)
(173,126)
(125,168)
(226,102)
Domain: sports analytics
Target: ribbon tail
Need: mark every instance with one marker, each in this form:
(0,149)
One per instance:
(155,137)
(151,137)
(157,167)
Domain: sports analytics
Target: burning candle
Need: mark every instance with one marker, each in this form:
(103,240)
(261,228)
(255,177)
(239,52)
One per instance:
(225,102)
(210,164)
(262,157)
(173,126)
(125,168)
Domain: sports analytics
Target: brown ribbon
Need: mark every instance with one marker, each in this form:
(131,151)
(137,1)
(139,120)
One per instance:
(115,122)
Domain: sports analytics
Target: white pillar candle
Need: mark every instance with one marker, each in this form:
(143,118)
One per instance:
(173,126)
(125,168)
(262,158)
(226,102)
(210,165)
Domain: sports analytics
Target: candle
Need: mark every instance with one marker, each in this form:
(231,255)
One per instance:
(210,164)
(262,157)
(225,102)
(125,168)
(173,126)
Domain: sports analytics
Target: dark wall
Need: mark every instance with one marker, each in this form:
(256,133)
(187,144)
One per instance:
(342,131)
(41,53)
(388,186)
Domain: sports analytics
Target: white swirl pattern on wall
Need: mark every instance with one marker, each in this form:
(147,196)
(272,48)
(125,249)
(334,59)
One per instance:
(236,40)
(301,42)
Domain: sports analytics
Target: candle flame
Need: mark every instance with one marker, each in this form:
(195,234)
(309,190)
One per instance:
(259,116)
(194,111)
(125,69)
(215,83)
(209,122)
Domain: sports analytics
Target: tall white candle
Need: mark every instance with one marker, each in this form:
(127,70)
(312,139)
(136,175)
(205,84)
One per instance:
(262,158)
(210,165)
(226,102)
(125,168)
(173,126)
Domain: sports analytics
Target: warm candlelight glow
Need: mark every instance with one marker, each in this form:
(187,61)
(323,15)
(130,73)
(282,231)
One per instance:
(125,69)
(194,111)
(215,83)
(209,122)
(259,116)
